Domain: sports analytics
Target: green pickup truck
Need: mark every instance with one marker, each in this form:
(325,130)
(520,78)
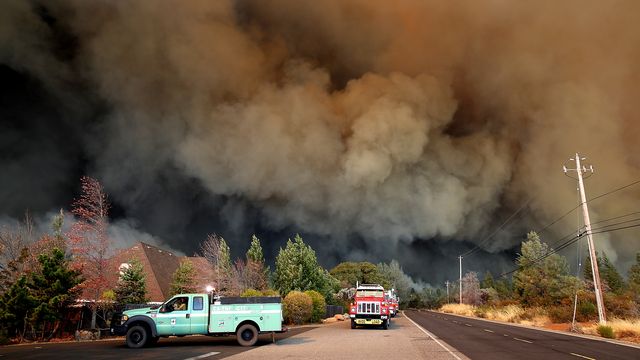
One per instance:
(201,314)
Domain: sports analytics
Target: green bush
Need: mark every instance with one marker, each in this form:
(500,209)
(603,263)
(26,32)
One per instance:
(270,292)
(298,307)
(251,293)
(319,305)
(586,311)
(606,331)
(561,313)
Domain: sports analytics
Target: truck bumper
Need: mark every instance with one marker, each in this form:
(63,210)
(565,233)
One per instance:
(119,330)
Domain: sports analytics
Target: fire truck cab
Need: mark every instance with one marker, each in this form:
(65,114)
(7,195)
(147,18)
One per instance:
(391,298)
(369,307)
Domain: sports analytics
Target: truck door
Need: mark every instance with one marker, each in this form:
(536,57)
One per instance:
(199,315)
(174,318)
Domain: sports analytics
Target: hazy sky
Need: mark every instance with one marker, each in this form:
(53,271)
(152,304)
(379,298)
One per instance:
(377,129)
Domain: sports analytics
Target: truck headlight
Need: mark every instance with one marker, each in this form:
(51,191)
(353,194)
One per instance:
(124,319)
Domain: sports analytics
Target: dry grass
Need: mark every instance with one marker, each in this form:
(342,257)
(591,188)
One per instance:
(628,330)
(459,309)
(622,329)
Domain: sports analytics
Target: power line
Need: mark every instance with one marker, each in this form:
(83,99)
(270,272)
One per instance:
(477,247)
(616,217)
(615,190)
(567,244)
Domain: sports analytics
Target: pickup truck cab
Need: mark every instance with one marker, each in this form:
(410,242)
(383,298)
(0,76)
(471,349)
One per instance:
(201,314)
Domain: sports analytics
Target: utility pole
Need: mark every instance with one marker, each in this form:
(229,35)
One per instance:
(580,169)
(447,283)
(460,279)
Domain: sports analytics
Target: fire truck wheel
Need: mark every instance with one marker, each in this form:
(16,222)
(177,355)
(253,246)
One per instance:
(247,335)
(385,324)
(137,337)
(353,324)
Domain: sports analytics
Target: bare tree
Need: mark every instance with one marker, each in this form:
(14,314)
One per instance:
(89,242)
(218,254)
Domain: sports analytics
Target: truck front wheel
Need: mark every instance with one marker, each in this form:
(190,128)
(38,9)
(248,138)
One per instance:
(247,335)
(385,324)
(353,324)
(137,337)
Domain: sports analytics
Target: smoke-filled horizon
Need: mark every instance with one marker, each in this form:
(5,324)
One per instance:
(409,130)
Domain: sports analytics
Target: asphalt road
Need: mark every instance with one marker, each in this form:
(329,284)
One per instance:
(478,339)
(189,347)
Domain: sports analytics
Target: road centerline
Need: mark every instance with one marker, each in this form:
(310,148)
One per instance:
(203,355)
(582,356)
(487,330)
(523,340)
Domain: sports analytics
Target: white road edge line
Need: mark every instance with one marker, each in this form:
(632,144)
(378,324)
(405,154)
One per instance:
(582,356)
(523,340)
(487,330)
(431,336)
(203,355)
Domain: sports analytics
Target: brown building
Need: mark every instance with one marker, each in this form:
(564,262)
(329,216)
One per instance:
(159,266)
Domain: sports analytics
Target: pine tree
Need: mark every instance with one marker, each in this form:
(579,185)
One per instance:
(610,275)
(16,305)
(184,279)
(634,272)
(487,282)
(53,289)
(132,285)
(542,277)
(297,268)
(393,276)
(255,274)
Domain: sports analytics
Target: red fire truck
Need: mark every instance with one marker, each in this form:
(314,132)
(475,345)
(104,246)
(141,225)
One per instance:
(391,298)
(369,307)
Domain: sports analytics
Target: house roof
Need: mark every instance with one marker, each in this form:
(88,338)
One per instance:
(159,266)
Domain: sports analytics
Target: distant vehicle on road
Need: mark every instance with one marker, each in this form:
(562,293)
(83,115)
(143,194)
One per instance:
(392,300)
(369,307)
(201,314)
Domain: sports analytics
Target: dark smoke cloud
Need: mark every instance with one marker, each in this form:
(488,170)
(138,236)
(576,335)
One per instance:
(407,130)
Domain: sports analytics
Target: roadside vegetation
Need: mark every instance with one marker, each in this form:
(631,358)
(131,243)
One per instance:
(542,293)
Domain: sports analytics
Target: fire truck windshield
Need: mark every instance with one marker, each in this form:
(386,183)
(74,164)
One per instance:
(369,293)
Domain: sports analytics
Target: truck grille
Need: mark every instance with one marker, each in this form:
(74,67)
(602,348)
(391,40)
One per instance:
(368,308)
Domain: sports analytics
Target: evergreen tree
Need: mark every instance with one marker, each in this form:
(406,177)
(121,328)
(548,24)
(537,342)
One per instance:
(255,274)
(297,268)
(53,289)
(132,285)
(16,305)
(184,279)
(542,278)
(634,278)
(609,275)
(487,281)
(394,277)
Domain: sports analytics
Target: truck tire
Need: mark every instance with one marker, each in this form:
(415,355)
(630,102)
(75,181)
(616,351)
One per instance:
(137,337)
(353,324)
(247,335)
(385,324)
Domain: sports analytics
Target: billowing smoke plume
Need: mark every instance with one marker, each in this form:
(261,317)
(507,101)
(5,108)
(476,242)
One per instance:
(407,130)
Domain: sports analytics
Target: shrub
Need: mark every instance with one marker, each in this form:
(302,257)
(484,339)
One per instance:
(464,309)
(319,305)
(586,311)
(251,293)
(606,331)
(270,292)
(298,307)
(561,313)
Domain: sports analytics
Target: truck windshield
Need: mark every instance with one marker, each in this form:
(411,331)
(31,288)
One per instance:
(369,293)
